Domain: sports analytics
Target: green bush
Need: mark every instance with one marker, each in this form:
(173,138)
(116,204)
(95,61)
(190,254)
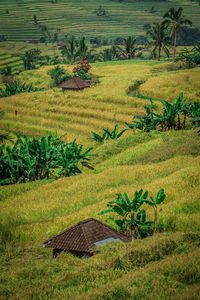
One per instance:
(58,74)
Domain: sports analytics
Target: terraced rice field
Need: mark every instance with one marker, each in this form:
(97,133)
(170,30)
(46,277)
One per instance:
(79,18)
(165,266)
(13,61)
(80,112)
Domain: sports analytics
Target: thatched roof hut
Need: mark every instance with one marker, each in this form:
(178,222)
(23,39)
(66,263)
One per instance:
(83,238)
(74,83)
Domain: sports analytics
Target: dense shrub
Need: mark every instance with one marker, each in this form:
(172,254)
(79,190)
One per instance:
(58,74)
(81,69)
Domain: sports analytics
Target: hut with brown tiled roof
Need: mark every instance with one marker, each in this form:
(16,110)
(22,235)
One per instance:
(83,238)
(74,83)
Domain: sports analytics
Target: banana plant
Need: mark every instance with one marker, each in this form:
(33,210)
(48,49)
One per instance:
(70,156)
(169,118)
(154,203)
(107,135)
(16,87)
(132,216)
(115,134)
(145,122)
(33,159)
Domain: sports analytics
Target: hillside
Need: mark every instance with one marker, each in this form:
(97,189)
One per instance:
(79,18)
(165,266)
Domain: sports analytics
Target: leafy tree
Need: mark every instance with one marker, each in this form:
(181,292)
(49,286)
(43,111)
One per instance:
(175,19)
(35,20)
(188,36)
(57,74)
(30,58)
(101,11)
(159,39)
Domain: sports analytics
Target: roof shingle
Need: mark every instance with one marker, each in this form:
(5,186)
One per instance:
(74,83)
(82,236)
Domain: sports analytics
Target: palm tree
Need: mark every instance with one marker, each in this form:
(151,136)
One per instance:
(175,19)
(159,39)
(109,54)
(130,48)
(71,50)
(85,53)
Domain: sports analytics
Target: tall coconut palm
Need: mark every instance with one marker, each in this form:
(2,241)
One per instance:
(175,20)
(159,39)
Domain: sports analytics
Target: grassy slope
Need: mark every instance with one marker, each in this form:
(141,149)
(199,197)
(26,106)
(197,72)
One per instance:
(78,17)
(166,265)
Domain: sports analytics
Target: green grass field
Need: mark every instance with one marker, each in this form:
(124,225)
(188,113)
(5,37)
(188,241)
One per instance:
(79,18)
(165,266)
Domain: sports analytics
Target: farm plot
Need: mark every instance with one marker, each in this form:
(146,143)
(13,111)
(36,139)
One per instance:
(167,264)
(14,62)
(79,18)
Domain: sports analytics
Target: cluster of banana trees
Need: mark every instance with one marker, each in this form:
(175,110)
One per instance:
(32,159)
(173,116)
(16,87)
(132,217)
(107,135)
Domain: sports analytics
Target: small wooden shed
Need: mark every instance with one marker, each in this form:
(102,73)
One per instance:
(83,238)
(74,83)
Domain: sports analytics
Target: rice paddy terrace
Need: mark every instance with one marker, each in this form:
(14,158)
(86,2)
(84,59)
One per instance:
(165,266)
(79,17)
(13,61)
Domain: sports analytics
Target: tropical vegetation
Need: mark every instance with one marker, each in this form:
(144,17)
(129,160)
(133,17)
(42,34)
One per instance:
(166,263)
(175,20)
(133,218)
(32,159)
(160,41)
(170,118)
(16,87)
